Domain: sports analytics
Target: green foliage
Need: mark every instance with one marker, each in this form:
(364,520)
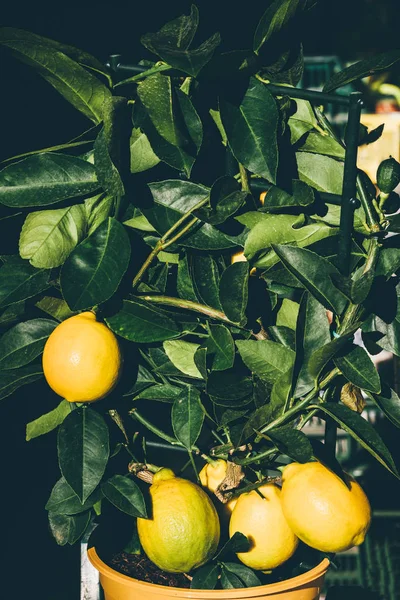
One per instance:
(221,358)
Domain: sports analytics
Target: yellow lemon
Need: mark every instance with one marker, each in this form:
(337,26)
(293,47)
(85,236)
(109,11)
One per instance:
(261,519)
(321,510)
(211,475)
(81,359)
(183,531)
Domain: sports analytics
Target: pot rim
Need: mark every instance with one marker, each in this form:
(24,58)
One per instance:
(280,586)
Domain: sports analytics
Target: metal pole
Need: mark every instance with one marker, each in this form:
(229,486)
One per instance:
(349,204)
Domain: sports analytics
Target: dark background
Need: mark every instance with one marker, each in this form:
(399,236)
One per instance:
(32,116)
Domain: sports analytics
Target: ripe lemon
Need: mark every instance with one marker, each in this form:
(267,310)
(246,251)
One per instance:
(321,510)
(184,530)
(211,475)
(261,519)
(81,359)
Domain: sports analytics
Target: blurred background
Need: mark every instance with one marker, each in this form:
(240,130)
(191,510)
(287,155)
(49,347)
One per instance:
(33,116)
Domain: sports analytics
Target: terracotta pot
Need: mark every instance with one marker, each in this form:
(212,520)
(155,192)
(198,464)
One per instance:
(121,587)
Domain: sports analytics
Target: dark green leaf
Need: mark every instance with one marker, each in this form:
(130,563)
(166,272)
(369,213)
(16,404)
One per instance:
(188,61)
(246,575)
(275,19)
(326,145)
(205,275)
(19,282)
(141,152)
(106,170)
(48,236)
(226,197)
(229,580)
(179,195)
(205,578)
(220,347)
(191,120)
(233,291)
(178,33)
(362,431)
(320,357)
(184,283)
(358,368)
(55,307)
(265,358)
(389,402)
(82,89)
(93,271)
(229,388)
(263,416)
(388,327)
(292,442)
(67,529)
(83,450)
(237,543)
(24,342)
(288,68)
(164,392)
(125,494)
(245,126)
(302,195)
(312,332)
(313,272)
(358,70)
(302,121)
(283,335)
(14,378)
(187,417)
(323,454)
(388,262)
(98,209)
(64,501)
(48,421)
(356,290)
(46,179)
(139,321)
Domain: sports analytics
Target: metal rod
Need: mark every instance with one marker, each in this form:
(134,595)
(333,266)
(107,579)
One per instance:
(346,220)
(277,90)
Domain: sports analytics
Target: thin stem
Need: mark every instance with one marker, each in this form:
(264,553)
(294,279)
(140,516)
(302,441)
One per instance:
(161,244)
(136,415)
(370,213)
(139,76)
(194,467)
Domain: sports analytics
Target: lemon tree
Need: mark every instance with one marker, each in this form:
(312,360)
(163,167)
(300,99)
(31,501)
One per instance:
(174,275)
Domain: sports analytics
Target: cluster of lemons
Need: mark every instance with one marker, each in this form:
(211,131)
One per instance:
(82,363)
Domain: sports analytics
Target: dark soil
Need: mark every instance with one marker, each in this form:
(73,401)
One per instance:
(140,567)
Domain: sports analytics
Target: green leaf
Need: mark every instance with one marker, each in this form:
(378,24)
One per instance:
(49,236)
(142,155)
(220,347)
(93,271)
(164,392)
(246,575)
(316,143)
(287,314)
(78,55)
(361,430)
(13,313)
(359,369)
(188,61)
(302,195)
(302,121)
(388,327)
(320,172)
(55,307)
(292,443)
(226,197)
(389,402)
(184,283)
(206,278)
(233,291)
(46,179)
(312,333)
(140,322)
(24,342)
(245,126)
(388,262)
(178,33)
(263,416)
(125,494)
(83,450)
(268,229)
(265,358)
(68,529)
(179,195)
(106,170)
(275,19)
(229,580)
(320,357)
(188,417)
(98,209)
(237,543)
(313,271)
(14,378)
(49,421)
(64,501)
(362,68)
(181,354)
(229,388)
(82,89)
(356,290)
(205,578)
